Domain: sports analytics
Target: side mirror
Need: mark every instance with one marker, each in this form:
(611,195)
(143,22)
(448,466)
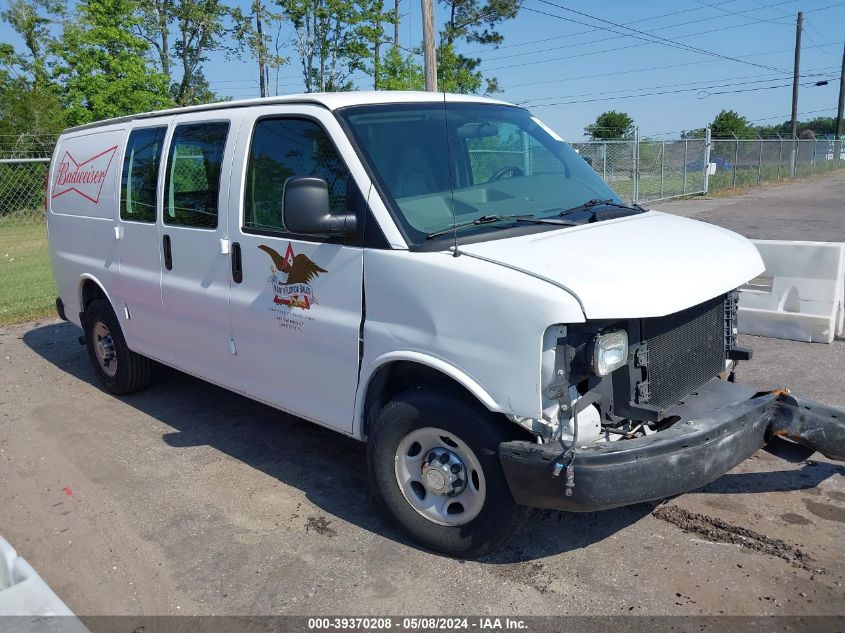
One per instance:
(306,209)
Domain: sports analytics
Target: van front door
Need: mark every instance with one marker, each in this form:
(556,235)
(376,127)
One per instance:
(296,301)
(195,277)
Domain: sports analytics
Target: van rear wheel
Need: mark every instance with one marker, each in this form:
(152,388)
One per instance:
(434,463)
(119,369)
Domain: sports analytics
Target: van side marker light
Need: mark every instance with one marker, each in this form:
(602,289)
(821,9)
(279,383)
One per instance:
(126,311)
(118,232)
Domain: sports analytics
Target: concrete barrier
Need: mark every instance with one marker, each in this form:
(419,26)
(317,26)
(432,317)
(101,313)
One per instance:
(800,297)
(26,602)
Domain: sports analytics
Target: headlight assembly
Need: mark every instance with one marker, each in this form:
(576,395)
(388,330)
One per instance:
(609,351)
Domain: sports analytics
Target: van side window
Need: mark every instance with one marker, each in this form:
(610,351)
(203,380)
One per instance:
(192,182)
(140,174)
(282,148)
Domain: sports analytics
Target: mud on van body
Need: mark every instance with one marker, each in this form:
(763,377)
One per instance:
(441,277)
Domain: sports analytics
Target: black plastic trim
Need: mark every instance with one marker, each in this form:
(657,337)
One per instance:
(688,455)
(60,309)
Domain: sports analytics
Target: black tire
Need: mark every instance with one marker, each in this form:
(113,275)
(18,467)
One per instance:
(500,516)
(134,371)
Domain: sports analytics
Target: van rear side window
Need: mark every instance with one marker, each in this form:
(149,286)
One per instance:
(192,182)
(139,181)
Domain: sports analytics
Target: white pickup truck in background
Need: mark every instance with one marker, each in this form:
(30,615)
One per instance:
(439,276)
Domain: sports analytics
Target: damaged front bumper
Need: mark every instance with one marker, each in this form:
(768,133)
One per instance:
(720,426)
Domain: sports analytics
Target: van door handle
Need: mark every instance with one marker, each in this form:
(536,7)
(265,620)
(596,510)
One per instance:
(237,268)
(168,254)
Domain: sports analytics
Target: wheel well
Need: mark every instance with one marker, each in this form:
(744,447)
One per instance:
(90,292)
(397,376)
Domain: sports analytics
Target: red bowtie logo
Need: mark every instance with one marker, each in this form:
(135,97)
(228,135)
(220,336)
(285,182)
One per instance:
(86,177)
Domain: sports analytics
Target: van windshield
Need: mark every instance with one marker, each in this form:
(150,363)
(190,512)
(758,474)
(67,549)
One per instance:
(499,160)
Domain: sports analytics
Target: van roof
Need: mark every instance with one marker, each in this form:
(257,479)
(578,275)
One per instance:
(330,100)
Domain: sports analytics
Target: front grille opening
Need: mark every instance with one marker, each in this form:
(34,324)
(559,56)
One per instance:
(685,350)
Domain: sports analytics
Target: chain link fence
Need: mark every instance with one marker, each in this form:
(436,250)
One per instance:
(745,163)
(24,161)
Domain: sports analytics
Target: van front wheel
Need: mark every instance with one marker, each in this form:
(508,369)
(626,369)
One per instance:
(434,463)
(119,369)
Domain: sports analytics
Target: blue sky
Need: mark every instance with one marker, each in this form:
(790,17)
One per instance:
(570,68)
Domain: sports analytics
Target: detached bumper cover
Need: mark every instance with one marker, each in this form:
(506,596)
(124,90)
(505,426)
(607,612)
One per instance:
(716,432)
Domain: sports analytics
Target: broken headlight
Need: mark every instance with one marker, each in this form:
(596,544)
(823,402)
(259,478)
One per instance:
(609,351)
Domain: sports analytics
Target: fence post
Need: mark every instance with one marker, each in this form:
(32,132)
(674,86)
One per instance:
(662,164)
(736,159)
(604,162)
(526,155)
(686,148)
(760,162)
(813,159)
(780,154)
(706,160)
(635,185)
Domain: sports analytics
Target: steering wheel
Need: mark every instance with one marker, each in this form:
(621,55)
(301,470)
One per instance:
(513,170)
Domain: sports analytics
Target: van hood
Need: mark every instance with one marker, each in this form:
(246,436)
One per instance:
(646,265)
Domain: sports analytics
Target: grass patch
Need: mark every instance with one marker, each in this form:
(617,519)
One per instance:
(27,289)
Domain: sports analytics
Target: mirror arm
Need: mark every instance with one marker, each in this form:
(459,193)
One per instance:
(346,224)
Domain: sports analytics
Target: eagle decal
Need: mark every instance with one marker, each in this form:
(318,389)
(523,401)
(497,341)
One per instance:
(291,277)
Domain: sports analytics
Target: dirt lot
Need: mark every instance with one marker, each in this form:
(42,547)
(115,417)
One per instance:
(187,499)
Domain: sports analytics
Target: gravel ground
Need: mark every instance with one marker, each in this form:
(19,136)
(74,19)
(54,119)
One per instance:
(188,499)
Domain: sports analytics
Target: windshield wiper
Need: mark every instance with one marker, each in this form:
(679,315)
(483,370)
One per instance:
(484,219)
(490,219)
(596,202)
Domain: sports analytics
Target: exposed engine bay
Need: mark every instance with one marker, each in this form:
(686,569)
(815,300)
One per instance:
(607,381)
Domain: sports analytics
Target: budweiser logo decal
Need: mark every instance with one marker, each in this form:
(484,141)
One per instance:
(83,177)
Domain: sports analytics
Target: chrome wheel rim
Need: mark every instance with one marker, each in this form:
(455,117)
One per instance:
(104,349)
(439,476)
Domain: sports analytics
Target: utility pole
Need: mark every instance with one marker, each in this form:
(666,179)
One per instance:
(796,71)
(837,143)
(396,24)
(428,46)
(261,61)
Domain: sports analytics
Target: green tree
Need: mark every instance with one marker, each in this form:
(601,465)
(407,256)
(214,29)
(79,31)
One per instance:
(29,102)
(820,126)
(181,34)
(729,124)
(400,71)
(611,126)
(473,22)
(32,20)
(104,66)
(259,32)
(201,27)
(332,39)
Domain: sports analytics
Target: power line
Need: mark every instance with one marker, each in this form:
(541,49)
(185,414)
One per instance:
(695,85)
(661,28)
(637,34)
(619,48)
(594,30)
(665,92)
(651,94)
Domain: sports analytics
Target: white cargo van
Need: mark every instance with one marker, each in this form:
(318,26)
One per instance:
(439,276)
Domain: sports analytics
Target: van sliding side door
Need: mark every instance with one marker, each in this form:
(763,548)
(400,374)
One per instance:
(194,250)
